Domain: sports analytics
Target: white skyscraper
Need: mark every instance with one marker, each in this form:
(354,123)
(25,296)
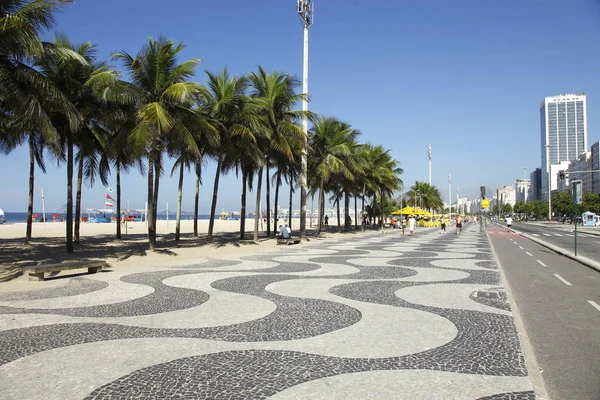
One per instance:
(563,122)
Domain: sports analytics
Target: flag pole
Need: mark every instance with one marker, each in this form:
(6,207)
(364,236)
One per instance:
(44,208)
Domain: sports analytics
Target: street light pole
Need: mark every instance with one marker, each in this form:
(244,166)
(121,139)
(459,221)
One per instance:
(305,11)
(450,197)
(429,156)
(548,182)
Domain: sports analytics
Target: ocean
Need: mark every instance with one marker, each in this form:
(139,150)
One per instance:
(13,217)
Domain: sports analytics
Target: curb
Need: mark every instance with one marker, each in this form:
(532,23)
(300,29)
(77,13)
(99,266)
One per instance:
(588,262)
(533,369)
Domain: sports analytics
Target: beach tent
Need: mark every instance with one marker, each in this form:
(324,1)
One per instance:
(408,210)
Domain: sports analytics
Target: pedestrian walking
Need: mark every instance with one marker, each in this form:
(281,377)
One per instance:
(443,226)
(326,220)
(411,225)
(458,225)
(508,222)
(403,225)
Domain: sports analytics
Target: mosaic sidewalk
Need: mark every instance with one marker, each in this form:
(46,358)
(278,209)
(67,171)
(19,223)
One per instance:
(361,317)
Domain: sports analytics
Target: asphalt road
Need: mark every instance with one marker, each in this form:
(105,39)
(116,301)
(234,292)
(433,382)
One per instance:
(563,236)
(559,303)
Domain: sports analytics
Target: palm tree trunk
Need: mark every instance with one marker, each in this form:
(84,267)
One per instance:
(312,208)
(78,199)
(291,197)
(338,214)
(197,197)
(381,211)
(374,208)
(69,194)
(243,205)
(150,220)
(213,207)
(355,213)
(257,215)
(320,223)
(346,211)
(157,168)
(362,217)
(268,194)
(275,219)
(118,167)
(28,230)
(179,198)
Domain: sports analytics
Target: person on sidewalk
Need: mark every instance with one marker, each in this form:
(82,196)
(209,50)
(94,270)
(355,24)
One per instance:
(508,222)
(403,225)
(411,225)
(443,226)
(458,225)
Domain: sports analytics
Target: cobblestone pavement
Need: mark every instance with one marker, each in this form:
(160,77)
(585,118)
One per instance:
(364,316)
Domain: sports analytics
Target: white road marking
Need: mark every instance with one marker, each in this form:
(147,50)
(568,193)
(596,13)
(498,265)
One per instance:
(595,241)
(557,234)
(541,263)
(529,254)
(594,304)
(563,280)
(521,247)
(547,234)
(535,234)
(569,235)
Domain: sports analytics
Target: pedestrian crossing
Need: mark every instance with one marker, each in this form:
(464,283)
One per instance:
(559,234)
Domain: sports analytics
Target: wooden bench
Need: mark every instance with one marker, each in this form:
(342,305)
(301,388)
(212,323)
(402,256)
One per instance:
(288,241)
(38,272)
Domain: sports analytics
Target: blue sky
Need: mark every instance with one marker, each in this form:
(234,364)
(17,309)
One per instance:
(466,76)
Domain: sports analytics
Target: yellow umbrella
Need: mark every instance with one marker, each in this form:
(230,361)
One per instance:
(408,210)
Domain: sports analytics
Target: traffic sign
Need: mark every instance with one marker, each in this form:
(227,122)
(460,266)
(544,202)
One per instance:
(485,203)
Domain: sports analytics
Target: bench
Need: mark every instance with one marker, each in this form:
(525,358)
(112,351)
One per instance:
(288,241)
(38,272)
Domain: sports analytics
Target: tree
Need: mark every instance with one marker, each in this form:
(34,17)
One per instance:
(329,147)
(590,202)
(562,203)
(275,99)
(27,95)
(427,195)
(224,103)
(164,98)
(539,208)
(519,207)
(83,84)
(507,209)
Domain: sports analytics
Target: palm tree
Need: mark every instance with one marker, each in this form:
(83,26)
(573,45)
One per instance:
(83,84)
(165,98)
(224,102)
(428,195)
(383,175)
(275,99)
(329,151)
(121,153)
(27,95)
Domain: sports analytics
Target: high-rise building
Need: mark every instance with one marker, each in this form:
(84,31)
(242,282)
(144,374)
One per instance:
(522,188)
(563,123)
(595,167)
(535,185)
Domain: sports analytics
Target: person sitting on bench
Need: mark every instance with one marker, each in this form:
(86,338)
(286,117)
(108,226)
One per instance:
(285,232)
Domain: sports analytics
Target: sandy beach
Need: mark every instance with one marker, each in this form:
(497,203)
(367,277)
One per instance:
(98,241)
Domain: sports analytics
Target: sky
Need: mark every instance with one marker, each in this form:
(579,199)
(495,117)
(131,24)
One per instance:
(465,76)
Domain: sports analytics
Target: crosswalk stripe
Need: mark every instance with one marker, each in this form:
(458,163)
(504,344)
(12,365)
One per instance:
(547,234)
(557,234)
(536,234)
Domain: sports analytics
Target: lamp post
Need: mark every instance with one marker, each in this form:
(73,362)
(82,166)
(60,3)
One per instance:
(549,183)
(305,11)
(450,197)
(429,156)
